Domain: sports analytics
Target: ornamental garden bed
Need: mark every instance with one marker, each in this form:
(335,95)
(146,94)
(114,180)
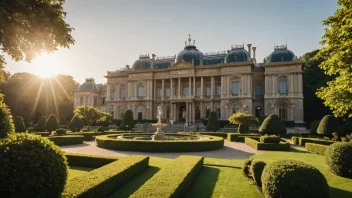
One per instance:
(256,144)
(88,136)
(316,148)
(302,141)
(238,137)
(62,140)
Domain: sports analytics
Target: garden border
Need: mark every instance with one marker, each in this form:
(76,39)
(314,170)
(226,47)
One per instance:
(63,140)
(254,143)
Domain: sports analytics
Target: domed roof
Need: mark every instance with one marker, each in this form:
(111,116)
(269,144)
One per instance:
(237,54)
(144,62)
(190,53)
(281,54)
(89,85)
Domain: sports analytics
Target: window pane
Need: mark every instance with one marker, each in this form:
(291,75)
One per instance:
(122,111)
(218,91)
(185,91)
(235,88)
(168,92)
(198,91)
(235,108)
(283,87)
(112,94)
(258,91)
(160,92)
(140,91)
(123,92)
(208,90)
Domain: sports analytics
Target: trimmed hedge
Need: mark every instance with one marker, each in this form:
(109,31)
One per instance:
(328,125)
(52,124)
(6,122)
(127,121)
(213,122)
(272,125)
(43,134)
(40,126)
(111,142)
(316,148)
(88,136)
(104,180)
(66,139)
(314,127)
(295,140)
(89,161)
(246,168)
(254,143)
(60,131)
(218,134)
(182,172)
(19,124)
(237,137)
(339,159)
(290,178)
(256,170)
(270,139)
(76,124)
(303,141)
(31,166)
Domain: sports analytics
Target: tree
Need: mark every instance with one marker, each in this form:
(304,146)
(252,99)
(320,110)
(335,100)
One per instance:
(90,114)
(52,124)
(6,122)
(213,122)
(337,51)
(40,126)
(29,27)
(244,120)
(127,121)
(19,125)
(328,125)
(76,124)
(273,125)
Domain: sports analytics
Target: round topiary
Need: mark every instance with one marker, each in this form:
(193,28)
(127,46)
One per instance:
(76,124)
(272,125)
(243,128)
(256,170)
(213,122)
(60,131)
(52,124)
(339,159)
(31,166)
(246,168)
(40,126)
(291,178)
(127,121)
(6,122)
(19,124)
(314,126)
(101,129)
(328,125)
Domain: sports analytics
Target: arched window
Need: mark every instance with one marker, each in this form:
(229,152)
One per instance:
(235,108)
(283,111)
(235,86)
(122,111)
(207,111)
(218,111)
(197,113)
(140,90)
(123,93)
(283,85)
(140,113)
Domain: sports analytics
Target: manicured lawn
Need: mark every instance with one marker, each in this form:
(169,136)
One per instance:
(75,171)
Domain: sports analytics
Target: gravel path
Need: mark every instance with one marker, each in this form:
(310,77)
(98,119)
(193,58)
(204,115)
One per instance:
(231,150)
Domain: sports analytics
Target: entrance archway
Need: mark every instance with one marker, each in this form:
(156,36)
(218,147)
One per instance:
(182,114)
(258,110)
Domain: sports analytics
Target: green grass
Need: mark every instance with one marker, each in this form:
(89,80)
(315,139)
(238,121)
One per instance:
(75,171)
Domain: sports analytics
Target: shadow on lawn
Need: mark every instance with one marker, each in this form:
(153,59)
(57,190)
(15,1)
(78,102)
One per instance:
(335,192)
(204,184)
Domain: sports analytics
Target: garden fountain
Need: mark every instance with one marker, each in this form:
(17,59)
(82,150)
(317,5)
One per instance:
(159,135)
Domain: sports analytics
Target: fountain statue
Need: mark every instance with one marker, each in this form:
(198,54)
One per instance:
(159,135)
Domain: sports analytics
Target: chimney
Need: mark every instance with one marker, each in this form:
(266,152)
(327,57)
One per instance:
(249,49)
(153,57)
(254,48)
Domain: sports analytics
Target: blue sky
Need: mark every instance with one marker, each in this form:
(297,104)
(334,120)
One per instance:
(110,34)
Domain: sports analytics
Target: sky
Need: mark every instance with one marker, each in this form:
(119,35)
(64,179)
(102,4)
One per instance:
(110,34)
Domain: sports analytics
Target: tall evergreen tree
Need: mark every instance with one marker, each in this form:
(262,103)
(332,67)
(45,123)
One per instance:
(19,124)
(76,124)
(213,122)
(127,121)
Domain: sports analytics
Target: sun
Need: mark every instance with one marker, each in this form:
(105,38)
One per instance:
(44,66)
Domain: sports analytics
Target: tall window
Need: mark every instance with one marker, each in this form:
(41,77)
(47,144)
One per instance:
(168,92)
(123,92)
(235,108)
(80,100)
(197,113)
(140,91)
(283,111)
(258,92)
(207,111)
(218,91)
(208,91)
(103,100)
(140,113)
(283,85)
(160,91)
(112,93)
(235,86)
(168,112)
(198,91)
(122,111)
(185,91)
(218,110)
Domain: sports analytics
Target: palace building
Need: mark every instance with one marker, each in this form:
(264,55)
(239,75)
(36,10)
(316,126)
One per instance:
(192,84)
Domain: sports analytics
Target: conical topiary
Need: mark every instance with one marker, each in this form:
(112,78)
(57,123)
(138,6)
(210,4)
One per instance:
(243,128)
(213,122)
(127,121)
(273,125)
(40,126)
(19,124)
(328,125)
(314,126)
(6,122)
(76,124)
(52,124)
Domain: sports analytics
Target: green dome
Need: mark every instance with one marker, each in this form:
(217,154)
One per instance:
(189,54)
(237,55)
(144,62)
(281,54)
(89,85)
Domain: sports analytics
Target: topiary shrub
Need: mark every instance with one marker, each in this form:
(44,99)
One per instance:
(31,166)
(291,178)
(339,159)
(40,126)
(246,168)
(328,125)
(127,121)
(19,124)
(272,125)
(76,124)
(256,170)
(213,122)
(6,122)
(243,128)
(101,129)
(347,127)
(270,139)
(314,126)
(52,124)
(60,132)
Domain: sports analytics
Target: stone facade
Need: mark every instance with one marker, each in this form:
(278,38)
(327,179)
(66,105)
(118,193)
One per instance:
(193,84)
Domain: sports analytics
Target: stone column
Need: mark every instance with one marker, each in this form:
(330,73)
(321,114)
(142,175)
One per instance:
(179,88)
(171,111)
(222,87)
(108,92)
(194,86)
(171,89)
(189,87)
(162,89)
(201,87)
(117,92)
(193,112)
(201,109)
(187,111)
(242,86)
(300,87)
(212,87)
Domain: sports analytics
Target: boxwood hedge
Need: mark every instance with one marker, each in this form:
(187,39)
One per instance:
(256,170)
(338,157)
(66,139)
(111,142)
(254,143)
(89,161)
(303,141)
(104,180)
(43,134)
(237,137)
(182,170)
(88,136)
(316,148)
